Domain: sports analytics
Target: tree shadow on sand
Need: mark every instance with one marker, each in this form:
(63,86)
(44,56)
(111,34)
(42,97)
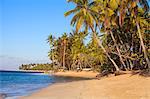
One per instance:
(63,79)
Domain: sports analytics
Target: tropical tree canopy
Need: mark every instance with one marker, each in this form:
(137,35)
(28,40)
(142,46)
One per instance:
(111,35)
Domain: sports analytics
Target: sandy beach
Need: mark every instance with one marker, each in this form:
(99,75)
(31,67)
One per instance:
(115,87)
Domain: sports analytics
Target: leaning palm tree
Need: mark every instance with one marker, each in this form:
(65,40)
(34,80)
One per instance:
(146,7)
(85,16)
(135,5)
(107,16)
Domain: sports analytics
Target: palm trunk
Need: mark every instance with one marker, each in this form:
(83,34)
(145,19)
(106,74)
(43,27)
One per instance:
(131,65)
(99,43)
(52,57)
(64,56)
(142,44)
(118,50)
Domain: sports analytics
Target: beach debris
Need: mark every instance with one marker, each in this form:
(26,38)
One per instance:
(104,73)
(145,73)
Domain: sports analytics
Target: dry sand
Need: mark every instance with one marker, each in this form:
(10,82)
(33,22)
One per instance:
(116,87)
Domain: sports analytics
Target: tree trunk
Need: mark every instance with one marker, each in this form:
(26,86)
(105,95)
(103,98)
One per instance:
(142,44)
(131,65)
(118,50)
(64,55)
(52,57)
(100,44)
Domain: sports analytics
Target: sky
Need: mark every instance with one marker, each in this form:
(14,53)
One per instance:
(25,26)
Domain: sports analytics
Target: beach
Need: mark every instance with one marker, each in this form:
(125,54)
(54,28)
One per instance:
(114,87)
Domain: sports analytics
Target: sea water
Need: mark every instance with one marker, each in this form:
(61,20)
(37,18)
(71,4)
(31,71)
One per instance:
(14,83)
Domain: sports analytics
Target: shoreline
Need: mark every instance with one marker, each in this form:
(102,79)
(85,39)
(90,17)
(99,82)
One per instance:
(17,83)
(65,77)
(116,87)
(23,71)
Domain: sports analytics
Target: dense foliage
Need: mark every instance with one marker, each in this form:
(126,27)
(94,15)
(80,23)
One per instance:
(36,67)
(109,35)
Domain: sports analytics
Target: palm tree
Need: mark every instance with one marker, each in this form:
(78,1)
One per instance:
(64,43)
(109,8)
(134,7)
(76,47)
(85,16)
(50,40)
(107,18)
(145,3)
(142,44)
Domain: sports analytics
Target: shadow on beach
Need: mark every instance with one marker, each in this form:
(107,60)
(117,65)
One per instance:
(63,79)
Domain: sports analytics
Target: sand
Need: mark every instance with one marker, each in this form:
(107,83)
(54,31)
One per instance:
(116,87)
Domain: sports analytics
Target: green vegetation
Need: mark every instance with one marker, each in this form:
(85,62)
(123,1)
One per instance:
(108,35)
(36,67)
(116,33)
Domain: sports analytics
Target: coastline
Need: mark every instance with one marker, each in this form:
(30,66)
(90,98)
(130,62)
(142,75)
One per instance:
(21,83)
(85,86)
(23,71)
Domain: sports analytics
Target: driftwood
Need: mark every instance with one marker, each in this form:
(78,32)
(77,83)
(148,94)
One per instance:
(121,73)
(145,73)
(104,73)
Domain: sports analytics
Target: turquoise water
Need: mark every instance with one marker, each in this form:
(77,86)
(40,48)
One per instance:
(20,83)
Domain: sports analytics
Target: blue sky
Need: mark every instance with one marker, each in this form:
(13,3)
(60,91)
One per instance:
(25,26)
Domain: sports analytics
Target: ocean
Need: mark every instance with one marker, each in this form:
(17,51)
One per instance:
(16,83)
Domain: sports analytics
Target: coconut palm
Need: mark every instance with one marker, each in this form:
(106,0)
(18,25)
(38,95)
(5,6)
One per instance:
(50,40)
(137,20)
(130,9)
(85,16)
(64,44)
(107,16)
